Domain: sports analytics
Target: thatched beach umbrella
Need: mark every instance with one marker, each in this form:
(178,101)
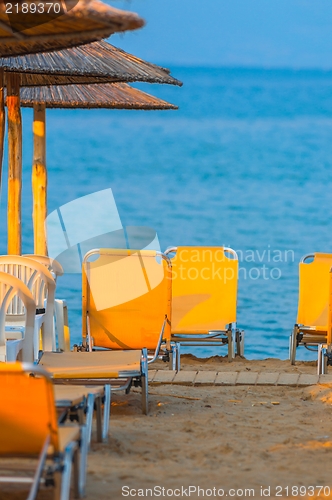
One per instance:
(108,96)
(90,63)
(105,95)
(28,26)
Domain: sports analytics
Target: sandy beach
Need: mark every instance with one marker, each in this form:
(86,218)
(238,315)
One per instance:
(242,440)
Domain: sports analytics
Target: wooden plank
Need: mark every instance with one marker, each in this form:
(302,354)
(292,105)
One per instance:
(39,180)
(14,164)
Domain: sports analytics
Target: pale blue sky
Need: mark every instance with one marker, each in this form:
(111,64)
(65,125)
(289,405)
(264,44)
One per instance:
(268,33)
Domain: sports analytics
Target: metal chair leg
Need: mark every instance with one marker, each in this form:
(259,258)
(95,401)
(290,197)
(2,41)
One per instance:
(239,336)
(99,420)
(321,368)
(83,461)
(324,358)
(173,357)
(66,471)
(178,356)
(292,345)
(145,382)
(107,411)
(230,345)
(89,416)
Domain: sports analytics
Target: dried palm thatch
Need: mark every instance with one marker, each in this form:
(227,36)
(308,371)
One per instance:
(91,63)
(107,95)
(78,22)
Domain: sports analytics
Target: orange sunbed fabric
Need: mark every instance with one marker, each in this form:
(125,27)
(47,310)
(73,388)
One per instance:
(126,295)
(27,412)
(314,288)
(204,290)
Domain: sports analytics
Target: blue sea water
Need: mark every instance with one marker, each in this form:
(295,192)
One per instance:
(245,162)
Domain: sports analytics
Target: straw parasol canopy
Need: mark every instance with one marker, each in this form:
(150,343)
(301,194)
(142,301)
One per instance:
(32,26)
(107,95)
(111,96)
(90,63)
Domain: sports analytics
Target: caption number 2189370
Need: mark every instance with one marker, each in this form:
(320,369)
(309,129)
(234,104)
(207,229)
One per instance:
(34,8)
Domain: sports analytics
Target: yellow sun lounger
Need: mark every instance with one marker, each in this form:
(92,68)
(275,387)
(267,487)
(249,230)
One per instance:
(312,323)
(30,436)
(126,308)
(204,294)
(18,345)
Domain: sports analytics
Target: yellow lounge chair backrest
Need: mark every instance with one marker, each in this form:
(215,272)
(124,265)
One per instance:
(314,283)
(126,296)
(204,289)
(27,410)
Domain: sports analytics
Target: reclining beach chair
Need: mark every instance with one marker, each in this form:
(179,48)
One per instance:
(60,305)
(204,294)
(42,286)
(16,344)
(30,436)
(312,320)
(126,308)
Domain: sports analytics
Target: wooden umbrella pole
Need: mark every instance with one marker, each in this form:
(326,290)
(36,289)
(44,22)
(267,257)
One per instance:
(14,164)
(39,180)
(2,121)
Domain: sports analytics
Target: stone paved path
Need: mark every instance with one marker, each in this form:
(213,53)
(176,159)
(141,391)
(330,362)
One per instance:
(199,378)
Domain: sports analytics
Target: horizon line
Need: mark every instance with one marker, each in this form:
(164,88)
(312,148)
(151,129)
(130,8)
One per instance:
(244,67)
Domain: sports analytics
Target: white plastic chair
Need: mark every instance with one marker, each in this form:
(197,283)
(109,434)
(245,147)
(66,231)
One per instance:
(10,289)
(42,286)
(60,305)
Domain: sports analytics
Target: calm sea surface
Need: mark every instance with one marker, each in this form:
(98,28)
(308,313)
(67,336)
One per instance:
(246,162)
